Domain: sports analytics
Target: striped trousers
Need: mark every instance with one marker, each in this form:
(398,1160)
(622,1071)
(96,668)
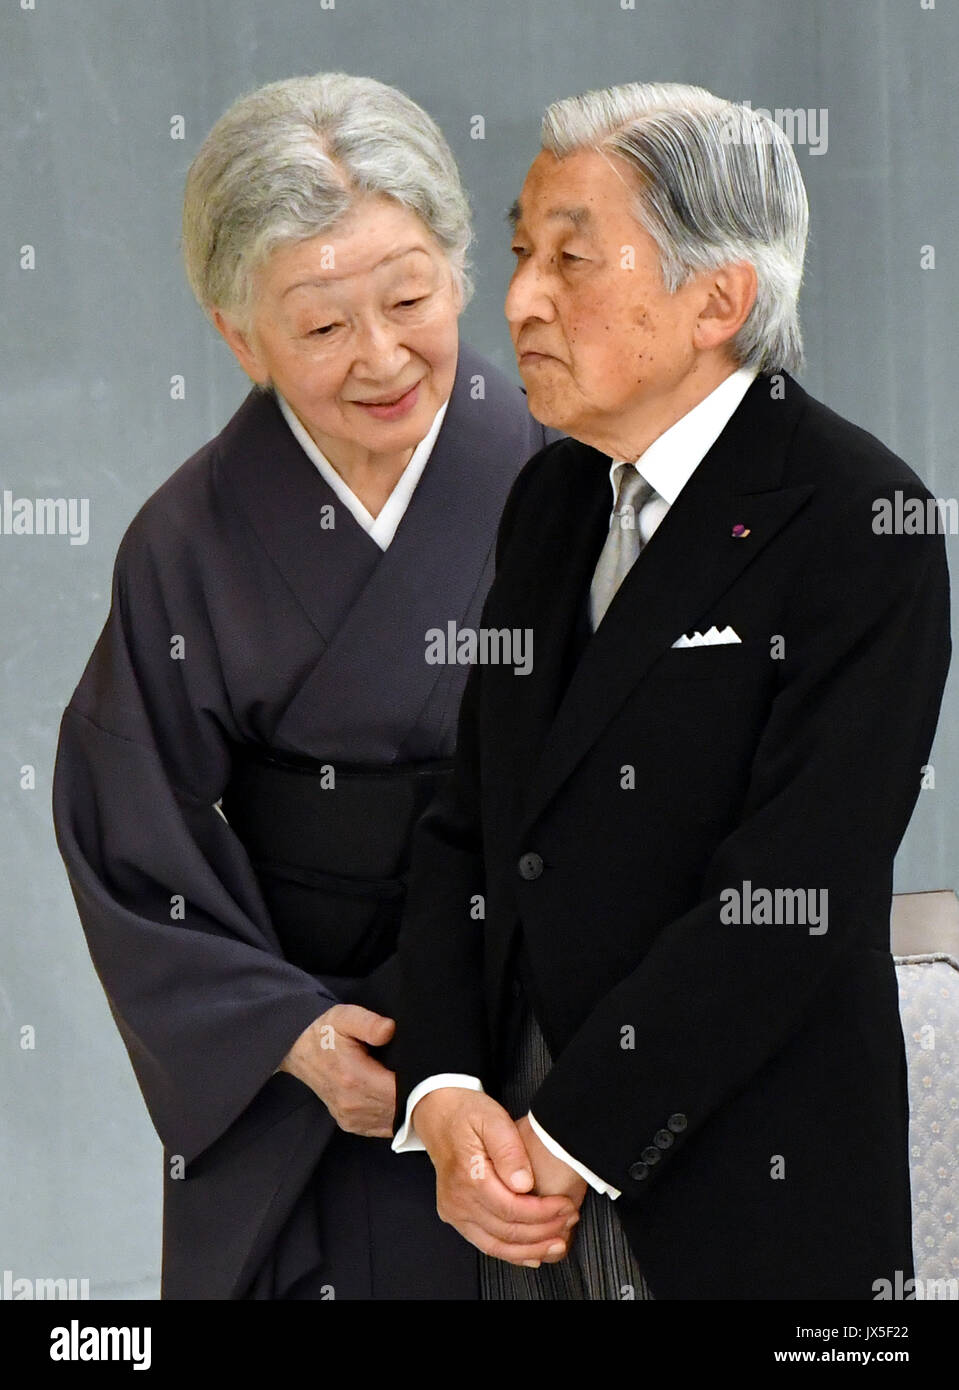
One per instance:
(600,1263)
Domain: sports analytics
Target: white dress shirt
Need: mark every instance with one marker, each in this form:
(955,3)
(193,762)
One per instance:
(381,528)
(667,465)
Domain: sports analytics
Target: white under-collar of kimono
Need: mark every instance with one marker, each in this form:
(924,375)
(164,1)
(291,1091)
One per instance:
(381,528)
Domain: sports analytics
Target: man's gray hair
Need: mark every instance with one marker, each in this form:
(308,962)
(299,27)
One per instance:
(716,183)
(286,162)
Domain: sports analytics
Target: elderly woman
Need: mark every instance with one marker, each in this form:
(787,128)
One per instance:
(260,724)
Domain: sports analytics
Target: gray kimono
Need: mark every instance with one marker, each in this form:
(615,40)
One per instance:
(241,617)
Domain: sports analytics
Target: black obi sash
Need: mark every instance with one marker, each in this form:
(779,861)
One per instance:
(331,861)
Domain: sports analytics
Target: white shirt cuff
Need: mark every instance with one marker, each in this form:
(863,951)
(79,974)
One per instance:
(406,1140)
(559,1152)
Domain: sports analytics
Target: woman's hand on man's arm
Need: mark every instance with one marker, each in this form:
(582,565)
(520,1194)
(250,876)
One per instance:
(330,1057)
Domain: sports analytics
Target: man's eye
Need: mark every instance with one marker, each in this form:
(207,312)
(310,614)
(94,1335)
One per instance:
(323,329)
(521,251)
(408,303)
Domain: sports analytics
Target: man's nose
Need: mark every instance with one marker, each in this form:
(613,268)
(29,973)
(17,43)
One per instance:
(528,295)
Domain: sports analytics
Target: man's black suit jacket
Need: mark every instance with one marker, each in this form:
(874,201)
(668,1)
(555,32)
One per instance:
(742,1082)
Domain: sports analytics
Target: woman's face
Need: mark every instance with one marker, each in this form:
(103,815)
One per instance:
(357,329)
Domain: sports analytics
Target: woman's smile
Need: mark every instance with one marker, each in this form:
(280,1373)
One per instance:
(392,408)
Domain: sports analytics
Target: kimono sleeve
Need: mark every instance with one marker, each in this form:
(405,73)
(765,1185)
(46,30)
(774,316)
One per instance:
(173,916)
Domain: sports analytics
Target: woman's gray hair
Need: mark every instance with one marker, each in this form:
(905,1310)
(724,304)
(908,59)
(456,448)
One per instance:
(287,161)
(716,183)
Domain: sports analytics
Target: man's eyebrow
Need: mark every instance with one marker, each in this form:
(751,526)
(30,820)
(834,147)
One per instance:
(580,217)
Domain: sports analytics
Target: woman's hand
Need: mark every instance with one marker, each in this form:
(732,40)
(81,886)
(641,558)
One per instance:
(331,1058)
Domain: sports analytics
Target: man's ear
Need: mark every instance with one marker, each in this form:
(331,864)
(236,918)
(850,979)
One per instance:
(243,346)
(730,295)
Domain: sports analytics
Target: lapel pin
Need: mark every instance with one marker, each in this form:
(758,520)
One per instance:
(740,531)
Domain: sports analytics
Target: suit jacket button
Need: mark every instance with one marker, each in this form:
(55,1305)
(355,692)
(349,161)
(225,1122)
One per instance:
(663,1139)
(530,866)
(638,1171)
(651,1156)
(677,1123)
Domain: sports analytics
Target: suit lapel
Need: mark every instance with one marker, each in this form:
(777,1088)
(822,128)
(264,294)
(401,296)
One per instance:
(689,563)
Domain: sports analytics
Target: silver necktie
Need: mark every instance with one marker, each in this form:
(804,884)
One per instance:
(623,543)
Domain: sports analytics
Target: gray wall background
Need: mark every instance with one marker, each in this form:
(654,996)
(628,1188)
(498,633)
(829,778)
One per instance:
(90,177)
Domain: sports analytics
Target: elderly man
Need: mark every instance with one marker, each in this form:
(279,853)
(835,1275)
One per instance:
(646,948)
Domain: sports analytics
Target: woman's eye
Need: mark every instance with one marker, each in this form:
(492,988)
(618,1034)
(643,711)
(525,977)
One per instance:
(519,250)
(323,330)
(568,256)
(408,303)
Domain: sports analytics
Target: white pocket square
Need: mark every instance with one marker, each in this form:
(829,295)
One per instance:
(712,638)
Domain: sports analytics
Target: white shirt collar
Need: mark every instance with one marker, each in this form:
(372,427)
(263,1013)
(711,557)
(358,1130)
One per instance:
(672,459)
(381,528)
